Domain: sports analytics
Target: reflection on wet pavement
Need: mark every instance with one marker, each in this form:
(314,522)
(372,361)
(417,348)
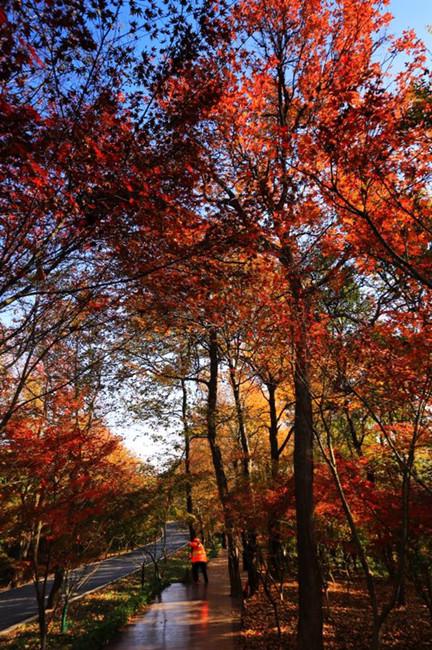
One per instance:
(188,617)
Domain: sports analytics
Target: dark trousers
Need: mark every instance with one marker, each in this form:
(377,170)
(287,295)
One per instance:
(196,566)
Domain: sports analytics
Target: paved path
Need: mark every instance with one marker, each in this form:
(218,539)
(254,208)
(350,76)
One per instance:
(17,605)
(188,617)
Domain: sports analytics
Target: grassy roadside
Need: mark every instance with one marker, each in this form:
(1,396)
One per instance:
(96,618)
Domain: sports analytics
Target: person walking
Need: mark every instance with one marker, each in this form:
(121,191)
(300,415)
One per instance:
(198,559)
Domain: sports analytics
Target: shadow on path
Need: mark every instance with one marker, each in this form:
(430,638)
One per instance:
(188,617)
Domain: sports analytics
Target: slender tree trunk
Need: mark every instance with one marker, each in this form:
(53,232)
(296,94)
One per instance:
(273,429)
(221,480)
(56,586)
(189,501)
(403,542)
(143,573)
(376,628)
(42,626)
(233,563)
(401,570)
(376,634)
(274,541)
(406,494)
(244,441)
(377,618)
(250,535)
(41,588)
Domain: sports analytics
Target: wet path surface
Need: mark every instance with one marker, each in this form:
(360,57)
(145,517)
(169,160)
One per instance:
(188,617)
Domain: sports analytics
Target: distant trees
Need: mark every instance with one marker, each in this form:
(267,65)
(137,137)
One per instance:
(62,474)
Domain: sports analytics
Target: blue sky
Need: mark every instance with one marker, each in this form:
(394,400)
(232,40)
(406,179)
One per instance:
(415,14)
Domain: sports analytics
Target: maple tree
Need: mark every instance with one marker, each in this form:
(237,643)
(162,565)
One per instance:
(269,145)
(73,165)
(61,472)
(234,222)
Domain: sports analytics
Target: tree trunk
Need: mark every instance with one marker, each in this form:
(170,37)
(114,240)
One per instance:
(404,538)
(143,573)
(310,625)
(376,635)
(42,628)
(244,441)
(249,539)
(189,501)
(273,429)
(42,619)
(40,584)
(233,564)
(250,535)
(221,480)
(377,619)
(401,597)
(274,541)
(402,546)
(56,586)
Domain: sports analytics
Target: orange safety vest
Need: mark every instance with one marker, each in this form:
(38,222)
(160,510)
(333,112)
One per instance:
(198,553)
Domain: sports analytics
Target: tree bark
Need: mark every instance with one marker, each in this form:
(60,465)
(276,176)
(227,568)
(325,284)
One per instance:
(310,625)
(250,535)
(221,479)
(56,586)
(273,429)
(189,500)
(274,541)
(40,583)
(244,441)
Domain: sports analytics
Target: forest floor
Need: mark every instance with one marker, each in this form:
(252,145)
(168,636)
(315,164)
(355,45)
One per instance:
(347,621)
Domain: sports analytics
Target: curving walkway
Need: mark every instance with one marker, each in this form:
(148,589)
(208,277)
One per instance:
(188,617)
